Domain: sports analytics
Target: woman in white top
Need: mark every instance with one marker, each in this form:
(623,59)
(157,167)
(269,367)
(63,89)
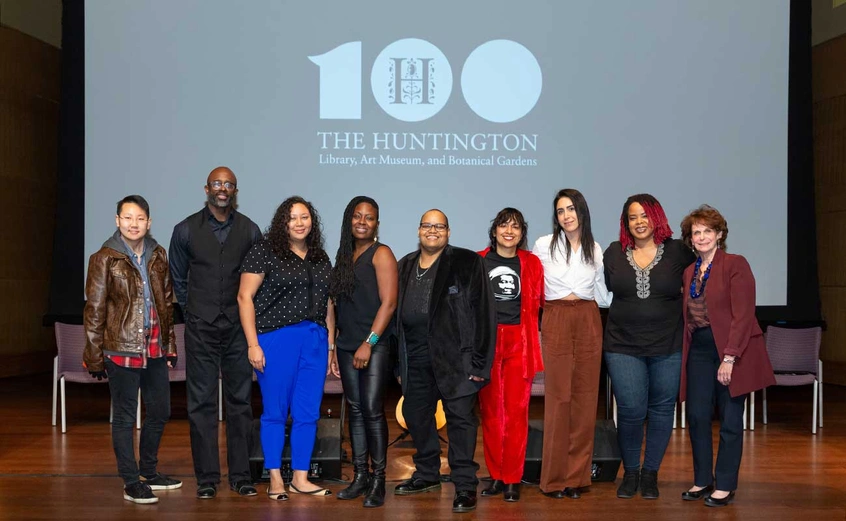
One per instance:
(571,336)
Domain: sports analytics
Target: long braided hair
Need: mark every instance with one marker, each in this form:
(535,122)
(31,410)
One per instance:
(342,281)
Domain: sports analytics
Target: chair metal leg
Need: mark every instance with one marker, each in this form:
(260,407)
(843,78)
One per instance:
(111,410)
(814,403)
(752,411)
(765,405)
(138,412)
(64,422)
(745,403)
(819,377)
(55,385)
(607,396)
(683,414)
(220,399)
(675,410)
(615,411)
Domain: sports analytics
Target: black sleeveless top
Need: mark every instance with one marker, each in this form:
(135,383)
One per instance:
(354,315)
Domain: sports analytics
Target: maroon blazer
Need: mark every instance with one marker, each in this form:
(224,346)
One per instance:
(730,295)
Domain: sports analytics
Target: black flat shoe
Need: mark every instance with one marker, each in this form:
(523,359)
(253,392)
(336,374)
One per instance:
(711,501)
(206,491)
(496,488)
(415,486)
(687,495)
(511,492)
(465,501)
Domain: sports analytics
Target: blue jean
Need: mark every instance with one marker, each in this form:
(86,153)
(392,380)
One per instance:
(294,374)
(645,387)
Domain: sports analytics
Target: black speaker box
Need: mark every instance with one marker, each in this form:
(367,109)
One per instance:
(325,458)
(606,452)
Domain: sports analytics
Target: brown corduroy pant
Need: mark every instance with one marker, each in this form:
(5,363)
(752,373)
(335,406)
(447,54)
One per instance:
(572,356)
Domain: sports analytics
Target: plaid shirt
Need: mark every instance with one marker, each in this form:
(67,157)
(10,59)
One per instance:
(154,349)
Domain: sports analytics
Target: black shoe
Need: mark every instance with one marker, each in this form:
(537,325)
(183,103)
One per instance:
(161,482)
(631,482)
(244,488)
(511,493)
(711,501)
(496,488)
(687,495)
(416,486)
(465,501)
(572,492)
(139,492)
(649,484)
(206,490)
(375,496)
(358,486)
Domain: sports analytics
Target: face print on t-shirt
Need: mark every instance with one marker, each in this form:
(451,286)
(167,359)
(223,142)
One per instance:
(505,283)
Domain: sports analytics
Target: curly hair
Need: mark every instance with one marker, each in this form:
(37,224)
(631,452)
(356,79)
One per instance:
(585,232)
(279,240)
(708,216)
(655,214)
(342,281)
(505,215)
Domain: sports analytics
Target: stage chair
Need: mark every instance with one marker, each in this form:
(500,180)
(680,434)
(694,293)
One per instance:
(67,366)
(795,356)
(333,385)
(538,385)
(177,374)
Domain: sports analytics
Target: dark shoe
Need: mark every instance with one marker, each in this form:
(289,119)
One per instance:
(358,486)
(416,486)
(320,492)
(649,484)
(243,488)
(711,501)
(206,491)
(496,488)
(687,495)
(277,496)
(631,482)
(465,501)
(161,482)
(139,492)
(511,493)
(572,492)
(375,496)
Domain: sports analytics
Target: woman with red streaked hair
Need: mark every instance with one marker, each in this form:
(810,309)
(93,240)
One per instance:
(644,336)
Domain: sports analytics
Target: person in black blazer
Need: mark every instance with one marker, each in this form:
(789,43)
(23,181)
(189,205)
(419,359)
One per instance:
(447,334)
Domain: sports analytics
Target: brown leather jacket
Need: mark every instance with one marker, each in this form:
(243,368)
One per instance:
(114,321)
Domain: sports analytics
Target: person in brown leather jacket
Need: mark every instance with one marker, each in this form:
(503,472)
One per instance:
(129,340)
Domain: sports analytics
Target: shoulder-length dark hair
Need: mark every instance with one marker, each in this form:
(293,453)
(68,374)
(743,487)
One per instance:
(583,213)
(279,240)
(342,282)
(505,215)
(709,216)
(655,214)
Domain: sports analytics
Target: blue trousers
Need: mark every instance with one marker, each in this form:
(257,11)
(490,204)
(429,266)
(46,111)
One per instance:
(294,374)
(644,386)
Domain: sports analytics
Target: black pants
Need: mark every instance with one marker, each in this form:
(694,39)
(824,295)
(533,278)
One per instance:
(219,348)
(155,391)
(703,392)
(364,390)
(421,400)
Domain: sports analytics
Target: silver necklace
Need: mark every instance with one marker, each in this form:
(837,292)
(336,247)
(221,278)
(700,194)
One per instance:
(417,271)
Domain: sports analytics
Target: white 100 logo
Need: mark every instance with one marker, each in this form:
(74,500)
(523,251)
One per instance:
(411,80)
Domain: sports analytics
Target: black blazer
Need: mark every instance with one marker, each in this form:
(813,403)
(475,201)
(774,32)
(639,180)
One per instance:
(462,321)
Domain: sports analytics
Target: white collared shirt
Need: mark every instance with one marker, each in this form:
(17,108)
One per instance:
(577,277)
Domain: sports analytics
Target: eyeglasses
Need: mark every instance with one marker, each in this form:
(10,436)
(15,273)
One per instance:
(438,226)
(130,220)
(217,185)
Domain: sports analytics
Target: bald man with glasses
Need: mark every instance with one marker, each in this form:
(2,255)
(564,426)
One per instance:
(447,334)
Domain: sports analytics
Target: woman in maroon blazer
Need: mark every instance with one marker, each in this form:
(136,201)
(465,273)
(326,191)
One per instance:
(724,356)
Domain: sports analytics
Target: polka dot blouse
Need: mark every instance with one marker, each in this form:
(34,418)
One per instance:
(293,289)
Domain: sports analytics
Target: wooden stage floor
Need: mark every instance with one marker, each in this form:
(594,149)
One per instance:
(787,473)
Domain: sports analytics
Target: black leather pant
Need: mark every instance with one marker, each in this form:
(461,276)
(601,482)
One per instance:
(365,393)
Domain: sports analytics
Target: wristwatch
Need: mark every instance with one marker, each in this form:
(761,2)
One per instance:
(729,360)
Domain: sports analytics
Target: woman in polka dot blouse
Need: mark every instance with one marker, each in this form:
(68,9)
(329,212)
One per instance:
(289,323)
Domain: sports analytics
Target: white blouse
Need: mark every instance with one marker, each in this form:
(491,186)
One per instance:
(583,280)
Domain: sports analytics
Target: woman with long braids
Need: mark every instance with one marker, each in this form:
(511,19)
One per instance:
(364,290)
(572,344)
(289,323)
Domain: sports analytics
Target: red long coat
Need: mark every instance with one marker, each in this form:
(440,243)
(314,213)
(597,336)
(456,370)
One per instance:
(730,295)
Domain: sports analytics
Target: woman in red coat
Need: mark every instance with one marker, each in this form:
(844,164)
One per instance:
(724,356)
(516,278)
